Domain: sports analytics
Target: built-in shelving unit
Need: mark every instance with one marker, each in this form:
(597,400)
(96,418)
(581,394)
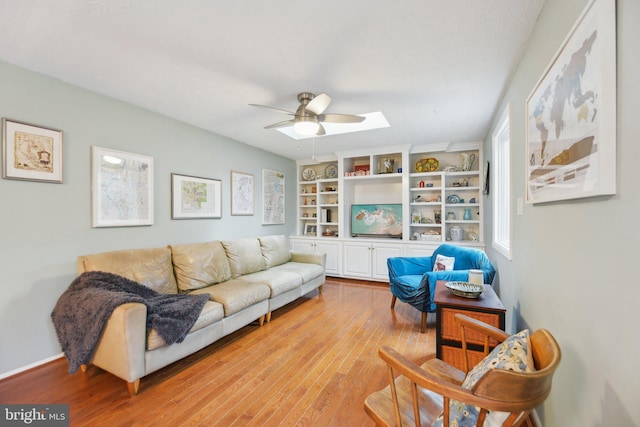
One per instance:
(439,192)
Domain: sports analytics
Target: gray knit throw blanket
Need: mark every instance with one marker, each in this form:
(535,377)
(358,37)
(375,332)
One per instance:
(82,311)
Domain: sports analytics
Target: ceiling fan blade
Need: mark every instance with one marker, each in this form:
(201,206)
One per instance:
(319,104)
(273,108)
(340,118)
(280,124)
(321,130)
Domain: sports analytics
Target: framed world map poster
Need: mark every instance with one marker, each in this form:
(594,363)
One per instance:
(122,188)
(272,197)
(571,114)
(195,197)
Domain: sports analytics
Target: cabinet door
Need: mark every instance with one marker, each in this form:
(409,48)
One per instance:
(332,250)
(380,254)
(303,245)
(357,257)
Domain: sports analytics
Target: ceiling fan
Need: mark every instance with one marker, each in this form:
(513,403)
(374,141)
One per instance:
(308,118)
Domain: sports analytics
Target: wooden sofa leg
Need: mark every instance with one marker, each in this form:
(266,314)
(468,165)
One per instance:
(134,387)
(268,318)
(83,368)
(261,320)
(393,301)
(423,324)
(320,289)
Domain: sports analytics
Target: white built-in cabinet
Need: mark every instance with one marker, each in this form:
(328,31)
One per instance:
(368,260)
(332,250)
(435,190)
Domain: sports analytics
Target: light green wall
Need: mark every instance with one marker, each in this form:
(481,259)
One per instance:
(44,226)
(575,264)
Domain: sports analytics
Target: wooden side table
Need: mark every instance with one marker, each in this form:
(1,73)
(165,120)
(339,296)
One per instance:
(488,308)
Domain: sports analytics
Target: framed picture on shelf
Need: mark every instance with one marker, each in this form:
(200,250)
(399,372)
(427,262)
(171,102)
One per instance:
(194,197)
(241,193)
(310,229)
(571,114)
(122,188)
(30,152)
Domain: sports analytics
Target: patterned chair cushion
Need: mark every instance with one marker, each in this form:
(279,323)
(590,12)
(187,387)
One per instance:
(512,354)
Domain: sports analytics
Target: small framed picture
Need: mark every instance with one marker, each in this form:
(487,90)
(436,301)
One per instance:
(194,197)
(31,153)
(310,229)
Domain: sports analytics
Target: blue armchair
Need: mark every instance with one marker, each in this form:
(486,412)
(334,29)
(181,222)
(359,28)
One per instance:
(413,281)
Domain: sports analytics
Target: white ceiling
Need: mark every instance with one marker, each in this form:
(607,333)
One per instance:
(435,68)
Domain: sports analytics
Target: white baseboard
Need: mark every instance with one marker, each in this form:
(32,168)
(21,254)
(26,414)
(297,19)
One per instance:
(31,366)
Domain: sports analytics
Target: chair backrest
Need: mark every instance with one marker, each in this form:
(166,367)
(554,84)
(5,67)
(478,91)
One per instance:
(466,258)
(520,391)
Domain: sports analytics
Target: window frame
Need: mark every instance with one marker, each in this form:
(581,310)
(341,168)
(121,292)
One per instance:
(501,239)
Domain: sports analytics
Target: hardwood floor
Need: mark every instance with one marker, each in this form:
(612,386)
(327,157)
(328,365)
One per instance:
(313,365)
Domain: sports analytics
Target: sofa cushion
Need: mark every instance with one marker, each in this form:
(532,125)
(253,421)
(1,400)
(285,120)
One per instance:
(197,265)
(275,250)
(244,256)
(513,354)
(211,313)
(236,294)
(306,270)
(149,267)
(279,281)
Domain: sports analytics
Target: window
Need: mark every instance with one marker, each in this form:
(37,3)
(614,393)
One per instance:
(501,186)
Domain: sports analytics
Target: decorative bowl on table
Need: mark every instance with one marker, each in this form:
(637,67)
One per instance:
(465,289)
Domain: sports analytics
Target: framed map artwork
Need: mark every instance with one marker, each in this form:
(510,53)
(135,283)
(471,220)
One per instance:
(241,193)
(122,188)
(30,152)
(272,197)
(195,197)
(571,114)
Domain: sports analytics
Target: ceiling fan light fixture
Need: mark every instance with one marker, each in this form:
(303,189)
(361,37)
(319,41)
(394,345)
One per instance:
(306,125)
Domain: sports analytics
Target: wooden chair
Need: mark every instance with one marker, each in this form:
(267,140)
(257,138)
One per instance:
(420,393)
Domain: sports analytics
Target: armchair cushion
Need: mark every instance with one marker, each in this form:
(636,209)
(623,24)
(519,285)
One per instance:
(513,354)
(444,263)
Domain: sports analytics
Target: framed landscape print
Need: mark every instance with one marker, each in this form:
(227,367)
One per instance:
(122,188)
(241,193)
(31,152)
(571,114)
(195,197)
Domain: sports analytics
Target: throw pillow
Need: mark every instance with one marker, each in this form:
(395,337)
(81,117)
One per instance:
(513,354)
(444,263)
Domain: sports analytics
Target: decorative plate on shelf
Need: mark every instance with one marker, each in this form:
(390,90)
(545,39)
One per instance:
(308,174)
(454,198)
(331,171)
(427,165)
(465,289)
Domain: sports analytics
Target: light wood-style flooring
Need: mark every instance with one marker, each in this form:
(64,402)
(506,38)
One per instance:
(313,365)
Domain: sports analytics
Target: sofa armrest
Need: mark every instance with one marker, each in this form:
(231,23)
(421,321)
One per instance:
(121,349)
(309,258)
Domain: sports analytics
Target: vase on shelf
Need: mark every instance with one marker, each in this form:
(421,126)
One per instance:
(467,214)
